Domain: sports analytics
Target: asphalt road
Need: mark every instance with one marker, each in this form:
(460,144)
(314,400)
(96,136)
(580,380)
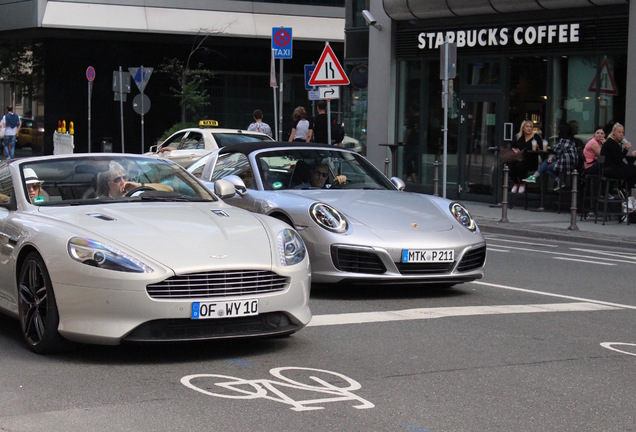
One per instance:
(545,342)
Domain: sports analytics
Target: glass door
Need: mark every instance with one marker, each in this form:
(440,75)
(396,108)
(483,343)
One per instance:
(480,129)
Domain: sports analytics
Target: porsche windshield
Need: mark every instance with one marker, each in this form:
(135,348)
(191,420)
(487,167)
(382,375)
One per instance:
(85,179)
(291,168)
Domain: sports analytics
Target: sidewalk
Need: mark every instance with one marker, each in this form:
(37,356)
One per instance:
(551,225)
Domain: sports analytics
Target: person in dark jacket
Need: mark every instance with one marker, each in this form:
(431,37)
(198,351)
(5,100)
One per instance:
(615,149)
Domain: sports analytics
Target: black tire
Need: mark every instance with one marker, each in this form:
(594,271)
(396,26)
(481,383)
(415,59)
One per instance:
(37,309)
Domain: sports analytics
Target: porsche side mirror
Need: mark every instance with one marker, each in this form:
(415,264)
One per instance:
(238,183)
(398,183)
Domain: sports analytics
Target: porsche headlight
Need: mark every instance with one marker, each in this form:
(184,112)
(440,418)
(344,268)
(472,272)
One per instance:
(463,217)
(328,217)
(93,253)
(291,249)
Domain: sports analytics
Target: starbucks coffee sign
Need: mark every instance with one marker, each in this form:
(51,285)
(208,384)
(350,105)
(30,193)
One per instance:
(501,36)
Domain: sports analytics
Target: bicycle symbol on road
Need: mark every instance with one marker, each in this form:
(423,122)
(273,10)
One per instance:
(335,388)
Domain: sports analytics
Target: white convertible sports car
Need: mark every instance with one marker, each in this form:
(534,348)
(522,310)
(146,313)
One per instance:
(109,248)
(358,225)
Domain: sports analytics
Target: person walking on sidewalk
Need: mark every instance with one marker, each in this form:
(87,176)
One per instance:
(301,131)
(564,158)
(258,125)
(11,124)
(525,141)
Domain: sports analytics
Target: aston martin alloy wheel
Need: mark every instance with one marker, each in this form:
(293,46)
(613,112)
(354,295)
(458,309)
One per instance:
(36,303)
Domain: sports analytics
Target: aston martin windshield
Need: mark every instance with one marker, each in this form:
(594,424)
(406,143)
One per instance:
(81,179)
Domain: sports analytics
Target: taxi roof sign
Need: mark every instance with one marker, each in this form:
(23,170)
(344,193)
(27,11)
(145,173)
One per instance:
(208,123)
(328,71)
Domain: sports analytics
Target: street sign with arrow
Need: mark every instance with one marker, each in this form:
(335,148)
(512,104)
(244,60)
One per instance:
(329,92)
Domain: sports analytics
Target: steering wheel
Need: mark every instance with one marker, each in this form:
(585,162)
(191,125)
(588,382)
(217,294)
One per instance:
(142,188)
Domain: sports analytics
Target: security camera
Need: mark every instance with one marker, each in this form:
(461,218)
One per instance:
(369,18)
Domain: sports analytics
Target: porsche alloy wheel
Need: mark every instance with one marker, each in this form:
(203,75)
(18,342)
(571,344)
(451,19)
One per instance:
(36,305)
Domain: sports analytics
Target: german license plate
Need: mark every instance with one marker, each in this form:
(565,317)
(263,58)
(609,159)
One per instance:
(224,309)
(427,255)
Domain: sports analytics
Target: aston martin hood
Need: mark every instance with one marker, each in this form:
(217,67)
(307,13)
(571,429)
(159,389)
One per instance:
(180,236)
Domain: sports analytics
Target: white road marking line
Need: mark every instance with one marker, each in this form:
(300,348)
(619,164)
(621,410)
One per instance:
(608,253)
(585,261)
(491,249)
(522,242)
(529,291)
(443,312)
(567,254)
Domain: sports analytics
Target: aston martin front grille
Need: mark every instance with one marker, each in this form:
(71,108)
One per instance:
(218,284)
(473,259)
(356,261)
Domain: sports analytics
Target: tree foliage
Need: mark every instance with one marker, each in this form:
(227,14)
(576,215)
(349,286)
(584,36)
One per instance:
(188,81)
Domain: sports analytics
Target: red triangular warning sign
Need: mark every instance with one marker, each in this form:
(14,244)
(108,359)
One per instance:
(608,86)
(328,70)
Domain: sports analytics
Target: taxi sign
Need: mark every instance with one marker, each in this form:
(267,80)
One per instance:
(208,123)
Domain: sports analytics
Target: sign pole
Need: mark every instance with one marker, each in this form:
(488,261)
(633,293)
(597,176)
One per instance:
(280,102)
(274,85)
(142,112)
(121,108)
(329,121)
(445,164)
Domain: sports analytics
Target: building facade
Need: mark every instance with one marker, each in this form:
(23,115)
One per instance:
(47,46)
(549,61)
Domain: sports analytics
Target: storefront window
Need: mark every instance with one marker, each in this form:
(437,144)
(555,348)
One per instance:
(528,84)
(611,87)
(355,115)
(421,122)
(574,97)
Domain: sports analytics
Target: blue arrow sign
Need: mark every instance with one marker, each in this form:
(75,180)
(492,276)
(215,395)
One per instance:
(309,70)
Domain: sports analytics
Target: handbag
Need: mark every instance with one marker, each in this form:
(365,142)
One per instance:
(507,155)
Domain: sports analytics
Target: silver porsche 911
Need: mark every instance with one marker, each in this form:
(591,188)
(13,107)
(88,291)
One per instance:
(358,225)
(109,248)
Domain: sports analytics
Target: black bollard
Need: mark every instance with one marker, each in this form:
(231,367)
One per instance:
(573,203)
(504,195)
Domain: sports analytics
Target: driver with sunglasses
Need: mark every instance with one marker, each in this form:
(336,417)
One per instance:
(319,176)
(114,182)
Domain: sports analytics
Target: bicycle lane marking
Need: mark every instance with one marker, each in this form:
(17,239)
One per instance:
(239,388)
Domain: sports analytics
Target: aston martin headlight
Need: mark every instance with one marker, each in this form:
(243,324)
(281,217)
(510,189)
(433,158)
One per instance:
(463,217)
(328,217)
(291,249)
(96,254)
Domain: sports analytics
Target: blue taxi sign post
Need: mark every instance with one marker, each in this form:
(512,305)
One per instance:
(281,49)
(282,42)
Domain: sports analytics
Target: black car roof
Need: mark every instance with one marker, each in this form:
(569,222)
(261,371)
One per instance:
(249,147)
